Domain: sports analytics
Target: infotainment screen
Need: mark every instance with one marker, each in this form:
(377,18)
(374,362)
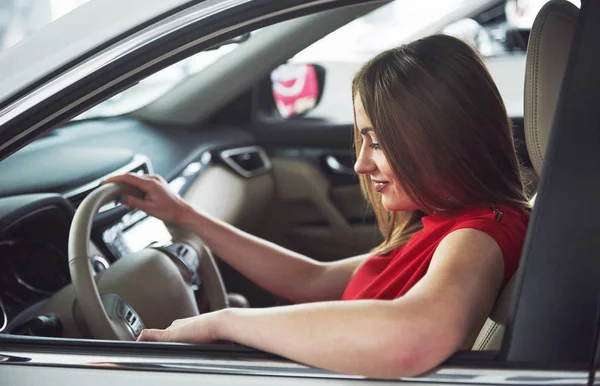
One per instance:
(147,231)
(134,232)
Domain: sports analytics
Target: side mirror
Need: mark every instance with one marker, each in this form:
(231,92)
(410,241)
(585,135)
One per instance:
(297,88)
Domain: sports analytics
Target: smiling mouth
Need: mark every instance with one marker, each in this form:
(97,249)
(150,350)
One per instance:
(379,185)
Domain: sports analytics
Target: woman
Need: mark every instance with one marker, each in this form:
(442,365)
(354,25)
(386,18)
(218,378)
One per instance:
(437,162)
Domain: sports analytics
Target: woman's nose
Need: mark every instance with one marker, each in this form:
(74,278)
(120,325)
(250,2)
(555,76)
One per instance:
(364,164)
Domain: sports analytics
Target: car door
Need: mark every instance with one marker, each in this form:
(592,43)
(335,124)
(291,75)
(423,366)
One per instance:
(548,267)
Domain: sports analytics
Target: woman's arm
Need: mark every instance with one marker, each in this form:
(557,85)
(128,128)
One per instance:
(376,338)
(285,273)
(278,270)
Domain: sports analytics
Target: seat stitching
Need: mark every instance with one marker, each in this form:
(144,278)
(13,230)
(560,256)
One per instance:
(534,94)
(534,68)
(490,334)
(487,337)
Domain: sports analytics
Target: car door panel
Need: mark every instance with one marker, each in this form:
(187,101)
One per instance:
(315,218)
(319,209)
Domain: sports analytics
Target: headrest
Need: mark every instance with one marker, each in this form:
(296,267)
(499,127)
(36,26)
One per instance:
(547,54)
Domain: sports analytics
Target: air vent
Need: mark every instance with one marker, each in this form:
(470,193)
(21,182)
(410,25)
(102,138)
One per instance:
(247,161)
(140,165)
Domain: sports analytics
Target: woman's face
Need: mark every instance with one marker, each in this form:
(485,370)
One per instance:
(373,163)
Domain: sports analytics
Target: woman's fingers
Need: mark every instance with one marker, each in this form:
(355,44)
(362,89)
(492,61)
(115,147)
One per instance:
(176,322)
(133,202)
(158,201)
(191,330)
(143,184)
(131,179)
(155,177)
(152,335)
(184,334)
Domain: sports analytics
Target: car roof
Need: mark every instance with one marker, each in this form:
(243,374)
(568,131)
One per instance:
(72,36)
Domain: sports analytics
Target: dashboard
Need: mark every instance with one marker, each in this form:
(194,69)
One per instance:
(33,249)
(45,182)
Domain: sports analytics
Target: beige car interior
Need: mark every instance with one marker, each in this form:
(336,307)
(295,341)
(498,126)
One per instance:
(239,201)
(547,55)
(311,216)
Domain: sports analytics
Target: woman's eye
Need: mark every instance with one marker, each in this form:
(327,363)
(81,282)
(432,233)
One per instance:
(375,146)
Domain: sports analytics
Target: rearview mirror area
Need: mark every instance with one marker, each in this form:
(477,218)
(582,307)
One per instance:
(297,88)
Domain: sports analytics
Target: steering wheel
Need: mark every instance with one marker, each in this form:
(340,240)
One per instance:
(111,317)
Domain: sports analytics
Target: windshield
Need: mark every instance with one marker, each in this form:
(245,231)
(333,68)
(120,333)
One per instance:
(156,85)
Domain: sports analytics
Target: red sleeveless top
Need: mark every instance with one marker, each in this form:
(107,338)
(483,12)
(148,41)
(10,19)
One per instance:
(392,275)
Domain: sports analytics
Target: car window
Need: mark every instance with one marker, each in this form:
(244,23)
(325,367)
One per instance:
(499,32)
(156,85)
(21,18)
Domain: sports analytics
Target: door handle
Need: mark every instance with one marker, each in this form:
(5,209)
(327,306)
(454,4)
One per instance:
(337,167)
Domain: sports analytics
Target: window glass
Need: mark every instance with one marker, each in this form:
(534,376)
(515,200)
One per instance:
(499,30)
(21,18)
(156,85)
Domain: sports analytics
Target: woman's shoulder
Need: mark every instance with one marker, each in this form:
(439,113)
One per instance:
(507,226)
(500,214)
(505,223)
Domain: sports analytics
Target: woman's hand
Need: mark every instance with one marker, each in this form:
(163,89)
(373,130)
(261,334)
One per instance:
(159,201)
(198,329)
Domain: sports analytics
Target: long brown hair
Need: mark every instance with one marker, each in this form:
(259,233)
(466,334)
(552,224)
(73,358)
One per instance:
(443,128)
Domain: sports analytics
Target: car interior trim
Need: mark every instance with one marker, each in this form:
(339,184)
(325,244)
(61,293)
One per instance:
(284,368)
(245,152)
(29,286)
